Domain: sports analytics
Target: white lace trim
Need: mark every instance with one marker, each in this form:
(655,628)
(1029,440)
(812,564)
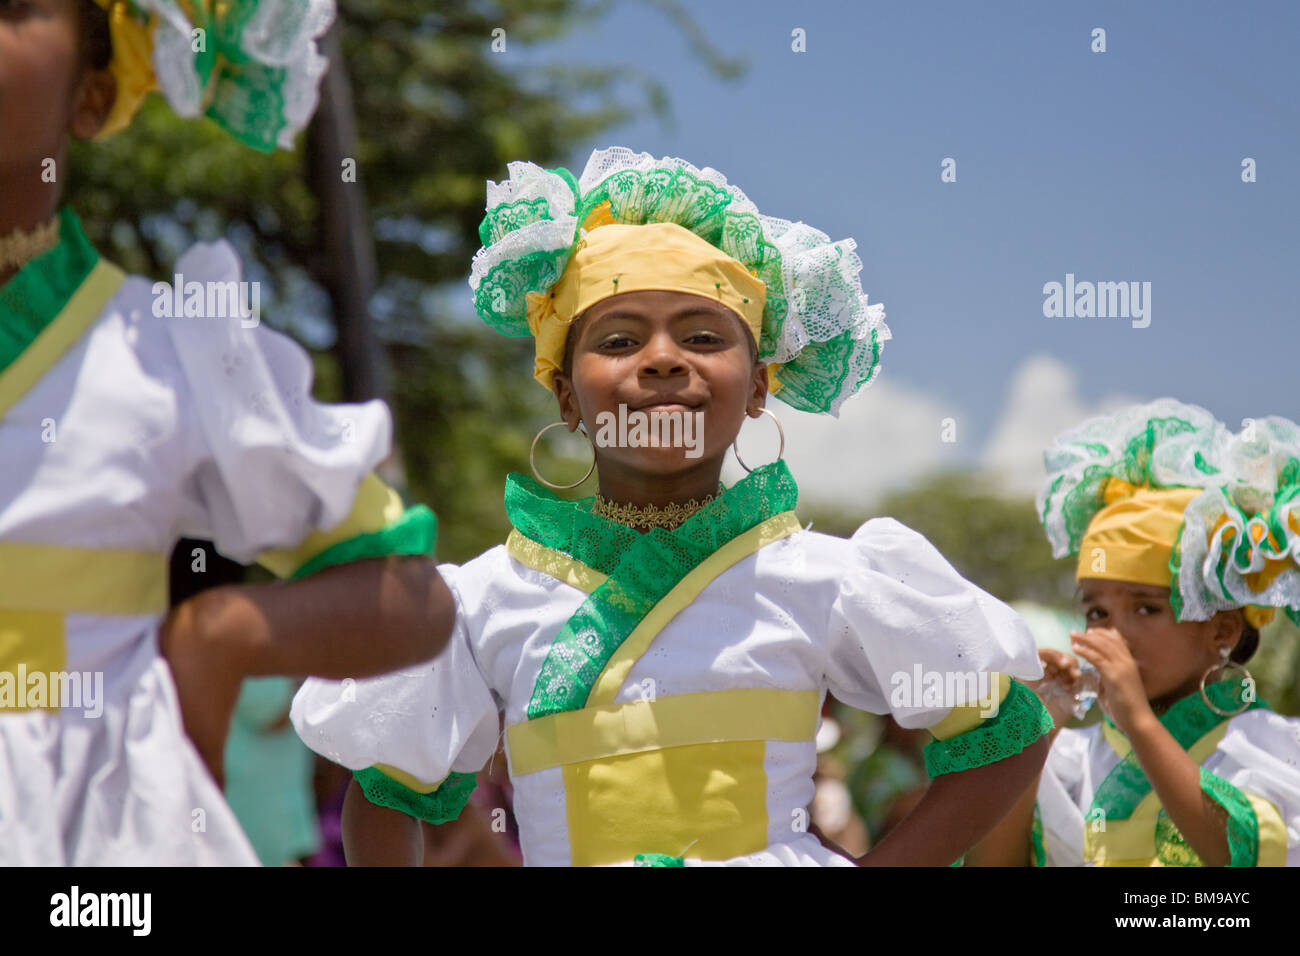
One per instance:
(545,235)
(530,181)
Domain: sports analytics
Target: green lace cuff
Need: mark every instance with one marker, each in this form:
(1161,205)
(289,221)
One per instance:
(440,806)
(413,533)
(657,859)
(1038,854)
(1020,720)
(1243,825)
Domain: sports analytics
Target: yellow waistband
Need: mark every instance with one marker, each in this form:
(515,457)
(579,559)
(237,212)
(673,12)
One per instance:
(46,577)
(757,713)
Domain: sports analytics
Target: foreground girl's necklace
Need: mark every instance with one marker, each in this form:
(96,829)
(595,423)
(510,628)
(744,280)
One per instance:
(645,517)
(21,246)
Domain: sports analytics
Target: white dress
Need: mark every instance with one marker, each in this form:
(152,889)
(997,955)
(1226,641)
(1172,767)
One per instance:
(1254,760)
(699,744)
(120,433)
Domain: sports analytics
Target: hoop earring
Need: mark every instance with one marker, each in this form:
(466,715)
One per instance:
(1224,665)
(780,431)
(532,459)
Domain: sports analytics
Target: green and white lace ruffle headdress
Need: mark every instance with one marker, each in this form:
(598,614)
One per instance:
(554,244)
(1178,500)
(250,65)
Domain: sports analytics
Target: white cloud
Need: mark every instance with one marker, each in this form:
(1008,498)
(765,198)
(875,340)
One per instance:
(885,436)
(1042,401)
(892,434)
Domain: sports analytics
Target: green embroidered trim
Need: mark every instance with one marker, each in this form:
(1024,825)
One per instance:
(37,293)
(510,216)
(1038,853)
(501,298)
(642,568)
(1172,849)
(413,533)
(657,859)
(812,380)
(441,806)
(1152,446)
(1187,722)
(1020,720)
(1243,825)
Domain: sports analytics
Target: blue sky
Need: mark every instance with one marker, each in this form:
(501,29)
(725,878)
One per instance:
(1115,166)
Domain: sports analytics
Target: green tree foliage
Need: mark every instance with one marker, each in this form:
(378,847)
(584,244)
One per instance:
(438,113)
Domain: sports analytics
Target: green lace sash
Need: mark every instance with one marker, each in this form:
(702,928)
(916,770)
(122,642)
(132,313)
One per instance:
(37,293)
(1187,722)
(642,568)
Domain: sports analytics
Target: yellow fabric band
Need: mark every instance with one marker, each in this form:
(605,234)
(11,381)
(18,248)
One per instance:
(759,713)
(1272,832)
(34,642)
(614,258)
(969,716)
(683,593)
(1132,841)
(1132,539)
(131,66)
(703,802)
(408,781)
(555,563)
(68,326)
(46,577)
(375,507)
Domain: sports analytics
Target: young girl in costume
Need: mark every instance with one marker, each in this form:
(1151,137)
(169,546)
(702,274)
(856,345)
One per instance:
(121,432)
(1188,540)
(661,651)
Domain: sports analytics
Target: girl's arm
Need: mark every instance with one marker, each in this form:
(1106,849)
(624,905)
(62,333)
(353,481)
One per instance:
(378,836)
(958,810)
(350,620)
(1176,779)
(1174,775)
(1009,843)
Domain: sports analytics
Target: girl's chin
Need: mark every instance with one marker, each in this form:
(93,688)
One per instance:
(660,462)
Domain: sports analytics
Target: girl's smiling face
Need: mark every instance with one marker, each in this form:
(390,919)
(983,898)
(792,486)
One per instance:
(1171,655)
(671,351)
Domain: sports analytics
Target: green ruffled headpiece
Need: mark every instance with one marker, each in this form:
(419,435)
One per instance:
(250,65)
(818,334)
(1239,543)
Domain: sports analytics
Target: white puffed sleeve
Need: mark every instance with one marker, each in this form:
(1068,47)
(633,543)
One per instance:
(905,623)
(425,721)
(268,463)
(1259,755)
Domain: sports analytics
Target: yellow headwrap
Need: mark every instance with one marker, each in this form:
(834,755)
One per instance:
(131,66)
(615,258)
(1133,538)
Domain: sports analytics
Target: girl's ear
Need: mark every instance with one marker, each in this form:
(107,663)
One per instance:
(92,103)
(1227,628)
(567,400)
(758,392)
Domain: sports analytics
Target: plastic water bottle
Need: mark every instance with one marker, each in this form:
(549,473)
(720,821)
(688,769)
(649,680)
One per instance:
(1086,694)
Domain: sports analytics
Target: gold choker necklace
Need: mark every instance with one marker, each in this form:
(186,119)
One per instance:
(645,517)
(21,247)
